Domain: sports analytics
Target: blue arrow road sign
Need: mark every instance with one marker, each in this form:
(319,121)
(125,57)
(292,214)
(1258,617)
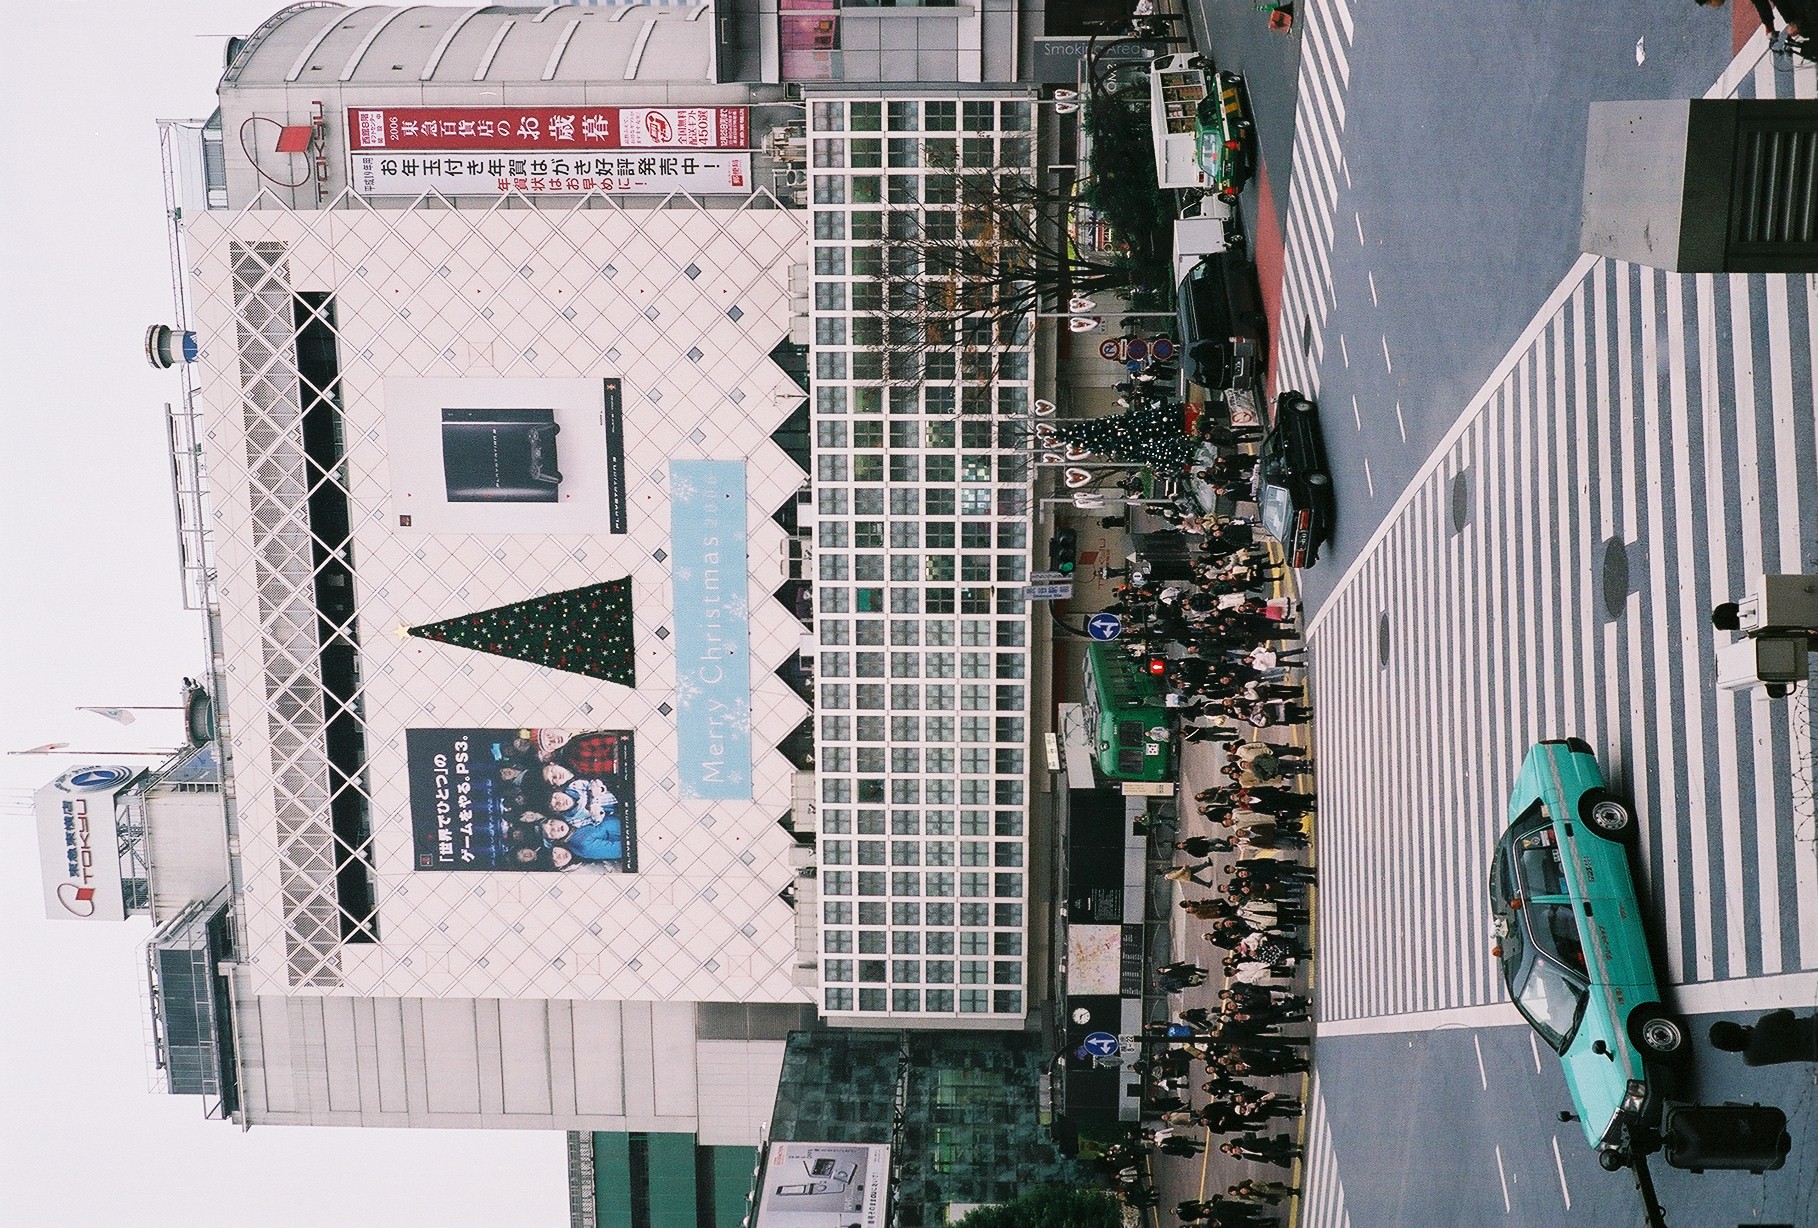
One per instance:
(1103,626)
(1102,1043)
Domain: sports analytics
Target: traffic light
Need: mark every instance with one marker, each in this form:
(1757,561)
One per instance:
(1063,551)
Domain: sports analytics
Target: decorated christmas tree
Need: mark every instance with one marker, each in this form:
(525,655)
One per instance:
(582,630)
(1151,435)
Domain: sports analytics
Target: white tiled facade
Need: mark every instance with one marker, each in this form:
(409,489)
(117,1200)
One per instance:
(921,513)
(683,306)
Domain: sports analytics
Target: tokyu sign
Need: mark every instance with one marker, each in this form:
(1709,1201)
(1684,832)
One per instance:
(79,844)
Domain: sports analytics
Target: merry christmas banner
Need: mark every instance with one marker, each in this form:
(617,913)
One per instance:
(708,572)
(523,799)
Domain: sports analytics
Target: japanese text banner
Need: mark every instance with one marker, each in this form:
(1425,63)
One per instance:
(547,129)
(494,174)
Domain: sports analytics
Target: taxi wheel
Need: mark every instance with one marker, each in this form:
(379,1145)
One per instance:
(1656,1032)
(1606,816)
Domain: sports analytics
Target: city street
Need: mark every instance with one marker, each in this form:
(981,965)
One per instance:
(1549,468)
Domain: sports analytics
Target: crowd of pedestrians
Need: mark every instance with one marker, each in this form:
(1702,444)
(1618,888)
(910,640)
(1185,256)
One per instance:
(1231,659)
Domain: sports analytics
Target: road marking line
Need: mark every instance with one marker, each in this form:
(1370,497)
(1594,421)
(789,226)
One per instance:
(1502,1175)
(1762,993)
(1659,452)
(1387,361)
(1482,1075)
(1372,278)
(1559,1164)
(1344,350)
(1457,429)
(1368,478)
(1356,413)
(1742,713)
(1789,473)
(1401,422)
(1695,701)
(1358,218)
(1344,15)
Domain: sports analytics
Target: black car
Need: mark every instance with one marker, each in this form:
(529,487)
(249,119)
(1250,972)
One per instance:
(1222,326)
(1293,485)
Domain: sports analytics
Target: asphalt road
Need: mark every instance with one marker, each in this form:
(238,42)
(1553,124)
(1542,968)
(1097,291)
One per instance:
(1548,470)
(1238,39)
(1457,209)
(1441,1127)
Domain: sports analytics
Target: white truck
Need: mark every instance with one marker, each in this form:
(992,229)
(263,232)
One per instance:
(1177,85)
(1203,228)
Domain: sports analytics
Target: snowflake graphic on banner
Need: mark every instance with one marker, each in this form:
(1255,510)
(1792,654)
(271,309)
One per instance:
(583,631)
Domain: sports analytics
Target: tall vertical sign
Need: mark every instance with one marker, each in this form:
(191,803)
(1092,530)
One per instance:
(712,628)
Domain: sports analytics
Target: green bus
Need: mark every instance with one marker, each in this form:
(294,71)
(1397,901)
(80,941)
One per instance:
(1127,716)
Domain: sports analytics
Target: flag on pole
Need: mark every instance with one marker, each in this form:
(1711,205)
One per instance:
(123,715)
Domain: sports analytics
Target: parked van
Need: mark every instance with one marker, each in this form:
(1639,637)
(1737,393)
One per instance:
(1177,85)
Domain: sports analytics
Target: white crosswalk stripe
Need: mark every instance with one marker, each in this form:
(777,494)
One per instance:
(1319,124)
(1322,1193)
(1671,420)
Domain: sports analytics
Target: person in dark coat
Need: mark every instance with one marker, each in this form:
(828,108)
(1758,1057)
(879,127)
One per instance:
(1278,1149)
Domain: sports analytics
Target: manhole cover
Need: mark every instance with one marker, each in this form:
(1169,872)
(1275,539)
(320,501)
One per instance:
(1615,577)
(1382,639)
(1461,500)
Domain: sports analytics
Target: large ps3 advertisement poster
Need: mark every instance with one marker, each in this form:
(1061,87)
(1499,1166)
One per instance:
(523,799)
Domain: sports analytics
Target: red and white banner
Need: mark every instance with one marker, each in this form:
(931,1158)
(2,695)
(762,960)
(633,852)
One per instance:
(546,129)
(495,174)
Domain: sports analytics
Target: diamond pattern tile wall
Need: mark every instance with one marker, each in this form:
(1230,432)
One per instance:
(519,293)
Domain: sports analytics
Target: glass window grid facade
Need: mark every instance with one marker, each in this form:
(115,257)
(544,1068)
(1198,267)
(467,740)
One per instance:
(922,501)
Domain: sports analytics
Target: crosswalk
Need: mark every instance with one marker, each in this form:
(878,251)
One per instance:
(1322,1201)
(1648,446)
(1319,165)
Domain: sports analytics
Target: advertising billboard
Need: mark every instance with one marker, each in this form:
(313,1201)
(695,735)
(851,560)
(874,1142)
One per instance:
(557,129)
(709,575)
(824,1185)
(494,174)
(548,151)
(79,843)
(523,799)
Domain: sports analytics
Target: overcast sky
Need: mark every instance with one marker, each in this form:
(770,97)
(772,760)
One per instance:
(93,615)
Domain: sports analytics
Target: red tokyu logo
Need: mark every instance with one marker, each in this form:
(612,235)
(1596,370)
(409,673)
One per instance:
(658,127)
(78,901)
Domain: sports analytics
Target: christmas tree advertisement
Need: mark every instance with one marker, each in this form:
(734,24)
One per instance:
(537,800)
(583,631)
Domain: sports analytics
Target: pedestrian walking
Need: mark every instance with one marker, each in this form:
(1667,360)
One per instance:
(1279,1149)
(1270,1192)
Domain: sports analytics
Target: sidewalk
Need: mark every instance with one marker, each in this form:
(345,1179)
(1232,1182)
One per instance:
(1180,1178)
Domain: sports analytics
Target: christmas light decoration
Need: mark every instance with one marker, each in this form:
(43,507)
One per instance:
(1149,435)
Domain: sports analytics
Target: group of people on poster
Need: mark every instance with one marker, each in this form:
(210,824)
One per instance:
(522,799)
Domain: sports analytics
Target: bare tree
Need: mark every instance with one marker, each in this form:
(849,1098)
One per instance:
(960,288)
